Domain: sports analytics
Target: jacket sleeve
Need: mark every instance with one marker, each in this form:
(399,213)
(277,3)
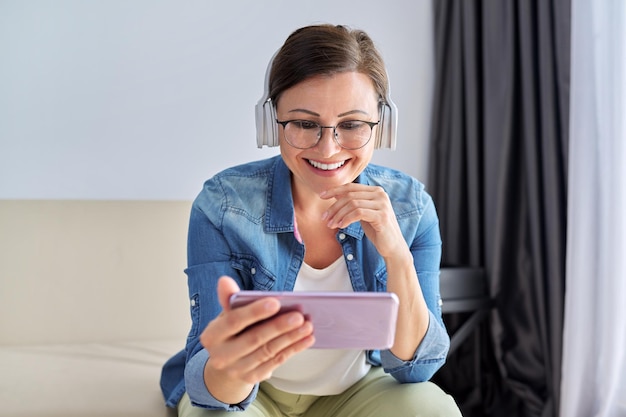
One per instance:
(200,395)
(428,358)
(425,245)
(209,258)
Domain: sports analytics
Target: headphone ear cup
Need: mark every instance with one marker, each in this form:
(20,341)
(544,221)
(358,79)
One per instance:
(265,114)
(386,136)
(266,126)
(261,121)
(271,127)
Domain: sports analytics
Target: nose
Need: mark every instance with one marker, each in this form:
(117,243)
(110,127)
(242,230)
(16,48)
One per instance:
(327,145)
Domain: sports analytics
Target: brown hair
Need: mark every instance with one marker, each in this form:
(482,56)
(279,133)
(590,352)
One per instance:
(326,50)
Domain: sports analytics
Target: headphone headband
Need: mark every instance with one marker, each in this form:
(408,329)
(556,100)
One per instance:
(267,128)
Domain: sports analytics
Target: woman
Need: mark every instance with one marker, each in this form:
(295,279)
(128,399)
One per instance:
(317,217)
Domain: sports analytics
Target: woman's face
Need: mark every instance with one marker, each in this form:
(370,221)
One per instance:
(328,100)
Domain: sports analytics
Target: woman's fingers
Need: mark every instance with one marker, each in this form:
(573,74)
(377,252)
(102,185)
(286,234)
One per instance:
(230,323)
(260,363)
(226,287)
(357,202)
(252,354)
(252,340)
(369,205)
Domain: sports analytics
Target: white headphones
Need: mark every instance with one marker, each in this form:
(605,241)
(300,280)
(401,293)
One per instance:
(267,128)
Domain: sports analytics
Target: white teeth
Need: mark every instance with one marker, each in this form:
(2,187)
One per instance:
(326,167)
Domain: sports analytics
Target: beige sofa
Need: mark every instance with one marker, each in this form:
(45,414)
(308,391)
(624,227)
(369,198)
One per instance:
(93,300)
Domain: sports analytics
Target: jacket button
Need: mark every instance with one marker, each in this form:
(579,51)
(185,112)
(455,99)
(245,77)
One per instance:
(350,257)
(342,236)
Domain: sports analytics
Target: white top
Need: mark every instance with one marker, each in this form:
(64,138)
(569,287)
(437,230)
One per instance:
(321,371)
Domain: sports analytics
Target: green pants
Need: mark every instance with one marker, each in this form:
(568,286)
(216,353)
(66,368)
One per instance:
(376,395)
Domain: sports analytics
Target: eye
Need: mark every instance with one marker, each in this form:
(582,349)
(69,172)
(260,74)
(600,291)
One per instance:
(304,124)
(351,125)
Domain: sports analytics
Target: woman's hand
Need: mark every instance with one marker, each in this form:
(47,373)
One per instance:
(248,343)
(371,206)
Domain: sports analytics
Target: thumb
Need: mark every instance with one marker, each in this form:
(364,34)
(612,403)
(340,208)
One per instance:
(226,286)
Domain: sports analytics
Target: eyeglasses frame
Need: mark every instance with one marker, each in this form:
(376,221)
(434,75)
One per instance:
(284,123)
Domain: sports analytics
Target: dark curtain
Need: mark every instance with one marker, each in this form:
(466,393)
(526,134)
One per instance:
(498,171)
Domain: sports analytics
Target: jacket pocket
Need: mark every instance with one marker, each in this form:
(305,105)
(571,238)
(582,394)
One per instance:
(381,279)
(254,275)
(194,310)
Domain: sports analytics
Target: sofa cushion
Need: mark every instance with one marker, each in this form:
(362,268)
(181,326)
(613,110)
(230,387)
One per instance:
(96,380)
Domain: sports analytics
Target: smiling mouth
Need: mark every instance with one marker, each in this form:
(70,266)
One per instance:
(326,167)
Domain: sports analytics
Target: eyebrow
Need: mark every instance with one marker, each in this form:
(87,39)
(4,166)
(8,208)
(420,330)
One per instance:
(312,113)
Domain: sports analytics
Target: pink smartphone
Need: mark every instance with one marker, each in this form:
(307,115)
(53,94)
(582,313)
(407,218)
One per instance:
(341,320)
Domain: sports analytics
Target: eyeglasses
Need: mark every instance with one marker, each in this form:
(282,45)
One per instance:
(305,134)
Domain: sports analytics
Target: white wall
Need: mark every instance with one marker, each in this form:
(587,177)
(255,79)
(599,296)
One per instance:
(145,99)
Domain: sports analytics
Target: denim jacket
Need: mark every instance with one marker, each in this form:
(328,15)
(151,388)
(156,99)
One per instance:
(242,225)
